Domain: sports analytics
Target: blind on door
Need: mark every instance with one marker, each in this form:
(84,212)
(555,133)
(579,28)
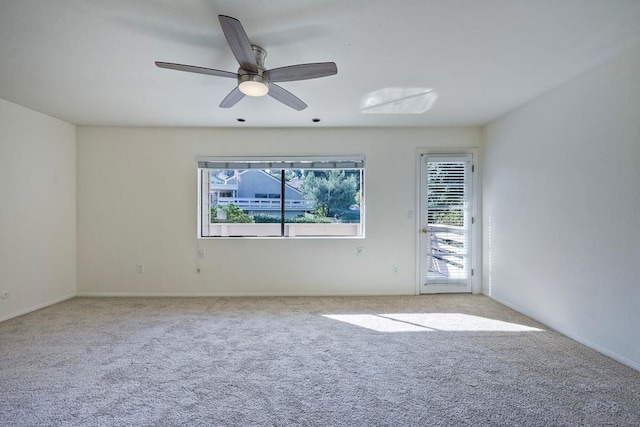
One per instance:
(448,220)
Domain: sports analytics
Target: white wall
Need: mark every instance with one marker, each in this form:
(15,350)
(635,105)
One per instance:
(137,205)
(37,210)
(562,208)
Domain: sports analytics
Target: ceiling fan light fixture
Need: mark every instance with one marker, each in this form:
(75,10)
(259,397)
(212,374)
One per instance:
(253,84)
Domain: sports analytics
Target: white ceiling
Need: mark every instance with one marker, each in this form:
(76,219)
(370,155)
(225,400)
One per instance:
(91,62)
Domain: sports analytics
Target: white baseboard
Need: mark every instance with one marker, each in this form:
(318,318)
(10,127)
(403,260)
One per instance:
(36,307)
(612,354)
(231,294)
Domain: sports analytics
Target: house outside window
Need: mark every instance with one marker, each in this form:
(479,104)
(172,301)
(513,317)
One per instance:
(283,197)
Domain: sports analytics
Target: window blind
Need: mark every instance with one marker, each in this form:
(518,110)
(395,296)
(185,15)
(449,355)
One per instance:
(448,218)
(326,163)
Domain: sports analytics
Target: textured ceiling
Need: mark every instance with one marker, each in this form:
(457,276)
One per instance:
(92,61)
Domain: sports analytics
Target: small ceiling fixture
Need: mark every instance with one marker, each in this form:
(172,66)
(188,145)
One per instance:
(241,120)
(316,120)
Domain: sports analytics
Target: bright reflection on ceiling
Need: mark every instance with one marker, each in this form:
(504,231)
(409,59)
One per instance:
(429,322)
(398,100)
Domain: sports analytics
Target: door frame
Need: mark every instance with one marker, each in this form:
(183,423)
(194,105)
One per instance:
(476,212)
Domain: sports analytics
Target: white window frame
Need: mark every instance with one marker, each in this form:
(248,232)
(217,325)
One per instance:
(344,162)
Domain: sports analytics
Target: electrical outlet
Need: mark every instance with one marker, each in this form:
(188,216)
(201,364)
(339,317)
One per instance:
(5,295)
(360,252)
(395,269)
(201,252)
(140,268)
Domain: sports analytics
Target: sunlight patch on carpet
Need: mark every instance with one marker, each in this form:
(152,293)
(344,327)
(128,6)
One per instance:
(429,322)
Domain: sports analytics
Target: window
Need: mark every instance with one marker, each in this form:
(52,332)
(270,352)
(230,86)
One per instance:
(281,197)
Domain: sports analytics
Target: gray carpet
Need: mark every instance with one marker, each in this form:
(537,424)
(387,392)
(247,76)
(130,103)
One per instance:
(377,361)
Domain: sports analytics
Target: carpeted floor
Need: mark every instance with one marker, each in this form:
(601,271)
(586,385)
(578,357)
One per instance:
(444,360)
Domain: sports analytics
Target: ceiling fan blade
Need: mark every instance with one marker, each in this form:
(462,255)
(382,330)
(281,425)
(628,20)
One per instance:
(302,72)
(286,97)
(199,70)
(238,42)
(232,99)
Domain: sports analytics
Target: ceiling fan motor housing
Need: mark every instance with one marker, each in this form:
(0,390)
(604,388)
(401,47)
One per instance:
(251,83)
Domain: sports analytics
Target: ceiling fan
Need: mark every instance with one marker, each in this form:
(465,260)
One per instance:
(253,78)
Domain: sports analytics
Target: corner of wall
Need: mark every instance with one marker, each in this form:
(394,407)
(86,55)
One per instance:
(38,233)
